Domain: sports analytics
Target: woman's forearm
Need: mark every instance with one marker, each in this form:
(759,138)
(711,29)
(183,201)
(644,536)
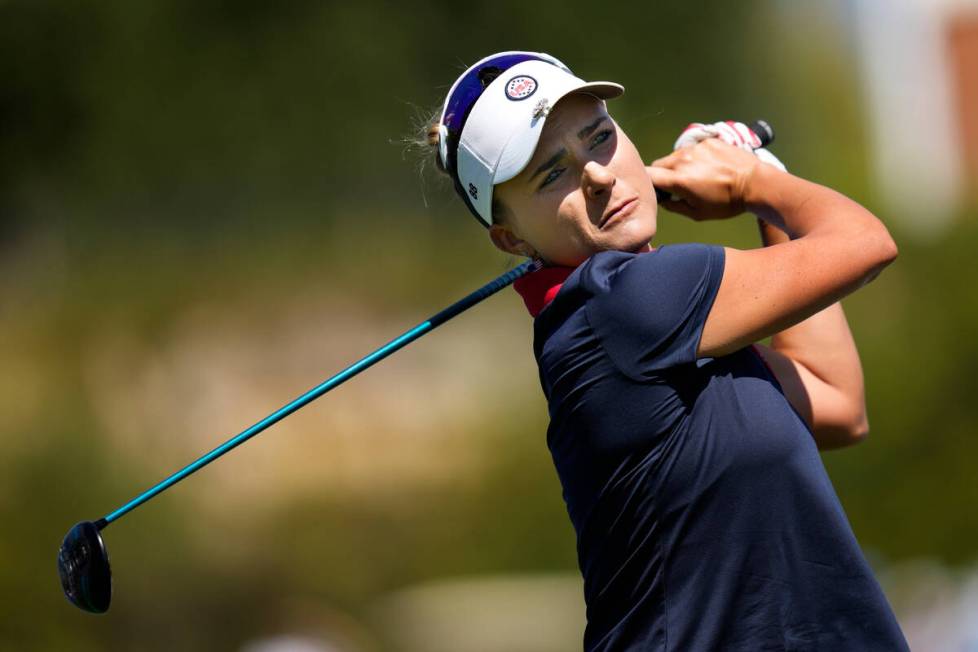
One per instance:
(837,247)
(804,209)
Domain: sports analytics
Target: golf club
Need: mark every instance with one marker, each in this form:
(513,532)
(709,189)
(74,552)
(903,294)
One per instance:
(83,561)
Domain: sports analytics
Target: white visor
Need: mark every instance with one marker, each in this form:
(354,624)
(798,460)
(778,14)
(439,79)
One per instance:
(504,126)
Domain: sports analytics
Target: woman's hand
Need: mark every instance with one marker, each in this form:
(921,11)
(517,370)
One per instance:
(709,180)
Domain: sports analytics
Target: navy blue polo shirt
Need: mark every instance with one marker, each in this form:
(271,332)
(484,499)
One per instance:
(705,519)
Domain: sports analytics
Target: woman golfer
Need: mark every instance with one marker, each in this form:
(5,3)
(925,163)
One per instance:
(688,454)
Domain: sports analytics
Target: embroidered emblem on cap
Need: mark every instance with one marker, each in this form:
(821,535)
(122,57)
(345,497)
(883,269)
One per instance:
(521,87)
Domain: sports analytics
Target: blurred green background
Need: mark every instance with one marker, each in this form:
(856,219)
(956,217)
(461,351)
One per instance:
(207,207)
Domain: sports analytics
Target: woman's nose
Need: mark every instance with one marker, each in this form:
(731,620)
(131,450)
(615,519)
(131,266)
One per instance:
(597,180)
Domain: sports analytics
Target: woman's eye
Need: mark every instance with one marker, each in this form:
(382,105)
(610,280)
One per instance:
(550,178)
(601,137)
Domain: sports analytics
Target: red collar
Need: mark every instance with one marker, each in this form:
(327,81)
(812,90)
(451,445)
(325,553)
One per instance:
(540,287)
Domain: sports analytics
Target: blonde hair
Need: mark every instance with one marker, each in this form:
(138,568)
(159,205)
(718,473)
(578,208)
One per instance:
(433,140)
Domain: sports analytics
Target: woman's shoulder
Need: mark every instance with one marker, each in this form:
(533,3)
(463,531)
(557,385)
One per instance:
(605,270)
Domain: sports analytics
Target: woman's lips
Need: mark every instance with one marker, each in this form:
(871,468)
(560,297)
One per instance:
(624,208)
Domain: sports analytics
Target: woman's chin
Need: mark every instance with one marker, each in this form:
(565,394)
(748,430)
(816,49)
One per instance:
(633,237)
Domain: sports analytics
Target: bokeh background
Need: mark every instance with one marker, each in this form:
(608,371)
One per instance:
(207,207)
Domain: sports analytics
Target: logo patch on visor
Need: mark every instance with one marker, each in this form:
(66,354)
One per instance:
(521,87)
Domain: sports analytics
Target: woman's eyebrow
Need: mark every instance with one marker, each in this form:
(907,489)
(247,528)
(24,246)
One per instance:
(549,163)
(588,130)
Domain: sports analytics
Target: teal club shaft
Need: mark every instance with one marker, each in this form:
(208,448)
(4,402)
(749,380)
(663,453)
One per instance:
(366,362)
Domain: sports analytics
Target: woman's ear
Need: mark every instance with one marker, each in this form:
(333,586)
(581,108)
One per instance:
(505,240)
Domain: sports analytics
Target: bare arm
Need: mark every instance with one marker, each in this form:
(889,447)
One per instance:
(836,246)
(817,365)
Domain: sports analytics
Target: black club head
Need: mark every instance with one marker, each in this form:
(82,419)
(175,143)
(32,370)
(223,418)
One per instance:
(83,564)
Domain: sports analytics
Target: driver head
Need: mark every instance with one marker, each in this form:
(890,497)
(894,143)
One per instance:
(83,564)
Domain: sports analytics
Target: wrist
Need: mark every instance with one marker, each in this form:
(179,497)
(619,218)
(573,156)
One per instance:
(765,195)
(762,187)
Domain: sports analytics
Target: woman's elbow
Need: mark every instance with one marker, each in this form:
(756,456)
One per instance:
(858,431)
(843,433)
(888,250)
(880,249)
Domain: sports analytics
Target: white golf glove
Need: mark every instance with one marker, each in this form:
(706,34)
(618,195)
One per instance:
(732,133)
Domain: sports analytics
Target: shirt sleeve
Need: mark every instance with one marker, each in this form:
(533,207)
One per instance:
(648,310)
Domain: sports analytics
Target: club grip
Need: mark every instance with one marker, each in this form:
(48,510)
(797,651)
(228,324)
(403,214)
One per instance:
(761,128)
